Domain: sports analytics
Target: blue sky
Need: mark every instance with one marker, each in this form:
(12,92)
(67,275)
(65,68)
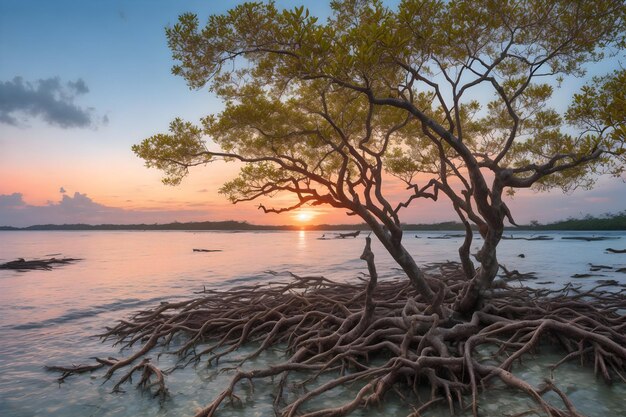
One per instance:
(100,73)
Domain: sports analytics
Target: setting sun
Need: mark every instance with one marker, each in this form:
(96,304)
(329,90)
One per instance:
(304,216)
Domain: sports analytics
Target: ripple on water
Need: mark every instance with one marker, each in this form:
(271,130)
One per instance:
(49,317)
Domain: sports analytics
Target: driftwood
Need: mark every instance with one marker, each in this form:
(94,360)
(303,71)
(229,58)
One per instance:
(207,250)
(541,237)
(587,275)
(593,267)
(352,234)
(608,282)
(590,238)
(596,268)
(447,236)
(611,250)
(340,235)
(42,264)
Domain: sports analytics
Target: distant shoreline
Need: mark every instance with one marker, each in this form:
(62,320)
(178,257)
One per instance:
(613,223)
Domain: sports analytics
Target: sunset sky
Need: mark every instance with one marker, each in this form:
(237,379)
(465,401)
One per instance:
(82,81)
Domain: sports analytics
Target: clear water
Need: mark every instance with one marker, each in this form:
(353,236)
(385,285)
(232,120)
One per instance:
(49,317)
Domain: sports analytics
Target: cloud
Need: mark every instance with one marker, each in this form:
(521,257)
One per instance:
(11,201)
(49,99)
(80,208)
(78,86)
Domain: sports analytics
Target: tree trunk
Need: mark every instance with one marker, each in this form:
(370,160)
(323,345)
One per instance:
(413,272)
(403,258)
(472,297)
(464,252)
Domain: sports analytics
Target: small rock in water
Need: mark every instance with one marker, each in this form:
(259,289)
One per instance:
(521,255)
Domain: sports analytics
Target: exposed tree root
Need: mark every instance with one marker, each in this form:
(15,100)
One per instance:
(148,370)
(379,336)
(79,369)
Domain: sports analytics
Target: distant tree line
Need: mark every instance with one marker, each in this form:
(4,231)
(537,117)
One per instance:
(608,221)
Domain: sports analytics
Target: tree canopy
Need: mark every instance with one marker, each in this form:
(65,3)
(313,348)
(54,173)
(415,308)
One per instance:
(461,91)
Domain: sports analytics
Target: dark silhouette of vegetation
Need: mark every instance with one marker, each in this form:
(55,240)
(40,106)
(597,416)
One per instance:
(606,222)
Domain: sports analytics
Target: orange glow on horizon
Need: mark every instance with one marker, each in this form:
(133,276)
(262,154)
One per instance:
(304,216)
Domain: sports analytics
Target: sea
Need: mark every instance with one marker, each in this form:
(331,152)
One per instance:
(52,317)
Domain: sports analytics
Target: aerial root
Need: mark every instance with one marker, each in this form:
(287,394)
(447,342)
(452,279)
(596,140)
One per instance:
(379,337)
(67,371)
(147,371)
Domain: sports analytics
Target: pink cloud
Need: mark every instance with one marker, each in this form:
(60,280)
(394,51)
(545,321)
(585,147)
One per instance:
(79,208)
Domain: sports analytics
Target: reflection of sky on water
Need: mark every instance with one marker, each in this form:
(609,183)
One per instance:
(48,316)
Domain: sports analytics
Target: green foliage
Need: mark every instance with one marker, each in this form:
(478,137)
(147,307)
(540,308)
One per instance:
(320,110)
(173,153)
(600,111)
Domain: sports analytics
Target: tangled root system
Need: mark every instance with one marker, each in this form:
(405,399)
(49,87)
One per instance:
(340,328)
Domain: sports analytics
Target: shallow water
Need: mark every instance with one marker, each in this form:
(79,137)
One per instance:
(49,317)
